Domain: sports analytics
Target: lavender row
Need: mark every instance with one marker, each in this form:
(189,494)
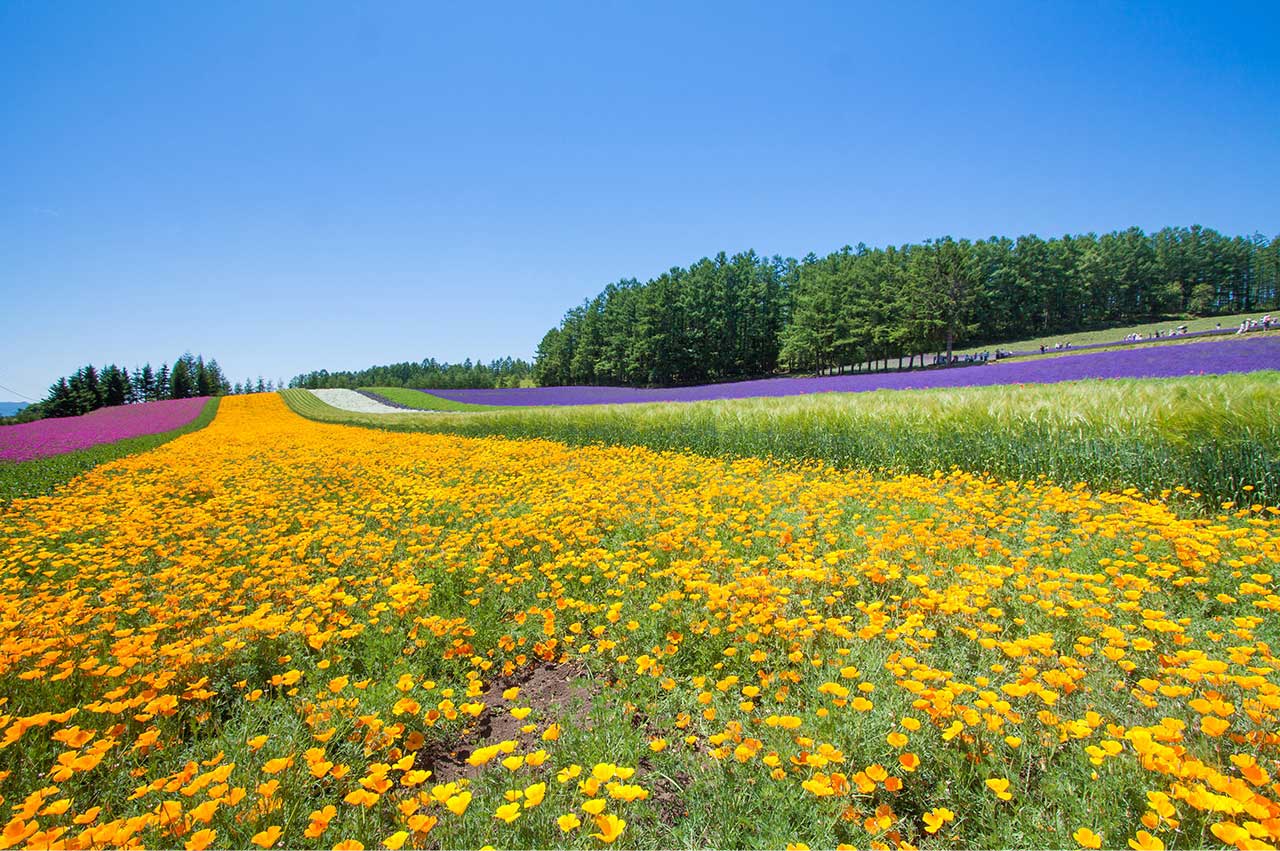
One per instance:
(1208,358)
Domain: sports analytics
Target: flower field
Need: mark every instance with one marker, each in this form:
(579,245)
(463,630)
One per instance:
(1210,358)
(280,633)
(42,438)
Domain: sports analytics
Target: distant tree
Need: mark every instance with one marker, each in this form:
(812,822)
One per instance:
(115,387)
(261,386)
(218,383)
(61,401)
(203,383)
(162,385)
(181,380)
(132,380)
(147,383)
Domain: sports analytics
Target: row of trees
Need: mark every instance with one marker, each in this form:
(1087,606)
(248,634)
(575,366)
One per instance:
(90,388)
(505,372)
(747,315)
(720,318)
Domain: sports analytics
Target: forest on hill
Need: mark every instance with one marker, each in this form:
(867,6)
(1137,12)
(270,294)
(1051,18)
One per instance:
(746,315)
(428,374)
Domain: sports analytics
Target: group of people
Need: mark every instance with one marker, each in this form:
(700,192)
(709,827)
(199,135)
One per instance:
(972,357)
(1156,335)
(1057,347)
(1263,324)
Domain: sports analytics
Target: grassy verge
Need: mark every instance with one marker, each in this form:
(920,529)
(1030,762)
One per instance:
(41,475)
(423,401)
(1214,437)
(1115,335)
(1146,344)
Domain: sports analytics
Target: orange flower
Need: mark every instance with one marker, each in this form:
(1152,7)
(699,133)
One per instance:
(1086,838)
(267,838)
(201,839)
(610,828)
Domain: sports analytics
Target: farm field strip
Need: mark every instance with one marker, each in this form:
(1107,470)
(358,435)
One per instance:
(53,436)
(1214,436)
(279,632)
(422,400)
(1200,358)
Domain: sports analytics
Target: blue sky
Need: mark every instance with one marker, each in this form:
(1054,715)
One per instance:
(293,186)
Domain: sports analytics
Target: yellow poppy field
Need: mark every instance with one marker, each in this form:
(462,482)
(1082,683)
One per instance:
(274,632)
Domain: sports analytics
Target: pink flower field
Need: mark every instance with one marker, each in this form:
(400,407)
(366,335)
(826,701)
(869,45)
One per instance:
(43,438)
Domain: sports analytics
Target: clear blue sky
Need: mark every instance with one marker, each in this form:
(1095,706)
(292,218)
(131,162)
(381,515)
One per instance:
(292,186)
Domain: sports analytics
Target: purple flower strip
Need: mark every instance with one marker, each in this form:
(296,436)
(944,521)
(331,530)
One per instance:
(1209,358)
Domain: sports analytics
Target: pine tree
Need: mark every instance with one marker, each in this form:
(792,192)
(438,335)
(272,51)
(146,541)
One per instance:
(181,379)
(162,383)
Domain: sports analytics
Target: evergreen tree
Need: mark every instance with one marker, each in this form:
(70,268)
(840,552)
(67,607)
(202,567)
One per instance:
(203,381)
(115,389)
(162,386)
(181,380)
(61,401)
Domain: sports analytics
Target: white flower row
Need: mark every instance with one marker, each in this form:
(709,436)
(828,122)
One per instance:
(350,400)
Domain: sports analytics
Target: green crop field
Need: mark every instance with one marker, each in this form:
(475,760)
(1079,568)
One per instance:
(1215,436)
(423,401)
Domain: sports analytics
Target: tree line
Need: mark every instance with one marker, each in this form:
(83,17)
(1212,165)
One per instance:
(428,374)
(747,315)
(90,388)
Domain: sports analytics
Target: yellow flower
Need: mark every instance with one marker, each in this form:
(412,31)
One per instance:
(1086,838)
(610,827)
(508,812)
(568,822)
(1144,841)
(1000,786)
(267,838)
(201,839)
(534,794)
(458,803)
(936,818)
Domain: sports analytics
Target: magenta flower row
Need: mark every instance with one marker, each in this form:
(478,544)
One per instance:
(42,438)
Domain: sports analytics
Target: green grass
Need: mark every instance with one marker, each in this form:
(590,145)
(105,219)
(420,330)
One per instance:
(40,476)
(421,401)
(1214,436)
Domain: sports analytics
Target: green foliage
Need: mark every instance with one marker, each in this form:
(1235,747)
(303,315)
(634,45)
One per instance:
(716,320)
(41,475)
(505,372)
(1215,435)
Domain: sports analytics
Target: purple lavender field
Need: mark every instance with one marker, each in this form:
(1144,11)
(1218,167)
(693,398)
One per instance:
(1209,358)
(43,438)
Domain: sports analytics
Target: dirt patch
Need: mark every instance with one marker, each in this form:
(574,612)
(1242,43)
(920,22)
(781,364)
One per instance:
(548,688)
(668,797)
